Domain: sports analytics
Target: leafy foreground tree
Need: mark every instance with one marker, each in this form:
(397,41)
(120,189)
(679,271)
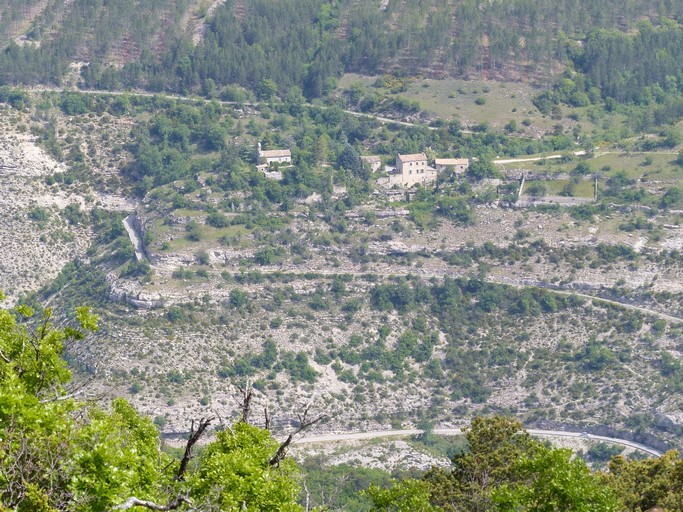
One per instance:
(646,484)
(504,469)
(59,453)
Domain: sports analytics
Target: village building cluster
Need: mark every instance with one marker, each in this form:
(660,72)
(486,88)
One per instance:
(410,170)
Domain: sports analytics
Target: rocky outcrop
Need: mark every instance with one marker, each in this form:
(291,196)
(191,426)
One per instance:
(138,300)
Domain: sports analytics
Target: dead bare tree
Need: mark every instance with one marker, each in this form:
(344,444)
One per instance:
(245,401)
(191,441)
(304,423)
(195,435)
(267,417)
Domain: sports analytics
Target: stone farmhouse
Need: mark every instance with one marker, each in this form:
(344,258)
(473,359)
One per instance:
(373,162)
(414,169)
(409,171)
(274,156)
(459,165)
(280,156)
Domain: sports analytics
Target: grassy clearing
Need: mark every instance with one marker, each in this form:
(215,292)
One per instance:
(584,188)
(177,236)
(482,101)
(658,166)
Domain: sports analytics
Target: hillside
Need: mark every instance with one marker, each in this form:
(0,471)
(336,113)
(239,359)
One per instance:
(378,307)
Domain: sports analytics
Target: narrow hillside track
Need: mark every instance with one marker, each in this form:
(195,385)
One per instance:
(508,282)
(144,94)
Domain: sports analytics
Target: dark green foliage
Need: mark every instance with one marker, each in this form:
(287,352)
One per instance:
(238,298)
(595,357)
(581,169)
(247,365)
(337,487)
(504,469)
(16,98)
(217,220)
(74,104)
(482,169)
(193,231)
(38,214)
(348,159)
(670,197)
(265,256)
(633,67)
(536,189)
(393,296)
(77,282)
(136,269)
(461,307)
(456,209)
(602,452)
(180,314)
(298,367)
(273,47)
(584,211)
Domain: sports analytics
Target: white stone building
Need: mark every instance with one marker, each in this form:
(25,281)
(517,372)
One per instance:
(280,156)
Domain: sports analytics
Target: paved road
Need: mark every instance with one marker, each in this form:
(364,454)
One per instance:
(386,120)
(355,436)
(633,307)
(146,94)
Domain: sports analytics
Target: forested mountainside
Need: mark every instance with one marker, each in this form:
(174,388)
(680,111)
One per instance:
(191,45)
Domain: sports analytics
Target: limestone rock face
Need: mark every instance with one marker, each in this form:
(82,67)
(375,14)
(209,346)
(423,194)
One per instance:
(139,300)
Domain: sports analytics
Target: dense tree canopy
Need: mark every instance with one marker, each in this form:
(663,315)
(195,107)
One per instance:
(274,46)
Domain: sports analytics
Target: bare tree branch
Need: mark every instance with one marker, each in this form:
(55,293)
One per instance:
(71,393)
(136,502)
(245,401)
(304,423)
(191,441)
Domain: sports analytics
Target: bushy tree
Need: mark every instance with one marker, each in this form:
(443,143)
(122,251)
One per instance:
(235,473)
(406,496)
(645,484)
(551,480)
(505,469)
(348,159)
